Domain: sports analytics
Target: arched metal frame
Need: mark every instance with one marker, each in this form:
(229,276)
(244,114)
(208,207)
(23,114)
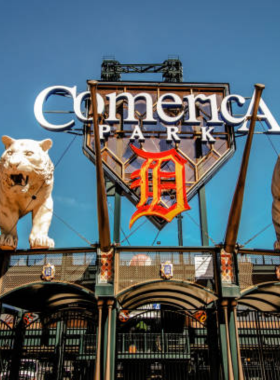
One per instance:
(61,339)
(159,343)
(44,296)
(263,297)
(182,294)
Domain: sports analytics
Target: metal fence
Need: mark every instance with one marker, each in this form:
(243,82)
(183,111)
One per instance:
(159,370)
(166,345)
(255,269)
(259,335)
(162,344)
(78,267)
(136,267)
(60,346)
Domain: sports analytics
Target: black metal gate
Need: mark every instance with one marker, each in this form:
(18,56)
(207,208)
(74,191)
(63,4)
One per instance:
(58,346)
(7,341)
(161,344)
(259,336)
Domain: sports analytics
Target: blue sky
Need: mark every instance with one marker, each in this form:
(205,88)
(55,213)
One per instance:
(63,42)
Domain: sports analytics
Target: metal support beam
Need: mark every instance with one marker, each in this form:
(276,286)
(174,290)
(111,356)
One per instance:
(117,215)
(213,344)
(203,216)
(18,346)
(225,341)
(234,341)
(99,337)
(110,303)
(202,199)
(171,69)
(236,205)
(180,230)
(102,208)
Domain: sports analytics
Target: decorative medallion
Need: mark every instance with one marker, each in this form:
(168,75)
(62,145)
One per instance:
(200,316)
(166,270)
(124,316)
(106,268)
(48,272)
(28,318)
(227,267)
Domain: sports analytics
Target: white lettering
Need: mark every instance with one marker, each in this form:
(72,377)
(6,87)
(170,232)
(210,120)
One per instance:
(192,110)
(203,99)
(78,102)
(131,107)
(225,108)
(137,134)
(168,100)
(175,103)
(104,130)
(172,134)
(206,134)
(42,98)
(266,116)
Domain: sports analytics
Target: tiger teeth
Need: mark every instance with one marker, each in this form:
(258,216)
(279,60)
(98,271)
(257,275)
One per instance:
(18,180)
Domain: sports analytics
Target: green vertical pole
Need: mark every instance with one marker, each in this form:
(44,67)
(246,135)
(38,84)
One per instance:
(60,348)
(213,344)
(233,343)
(117,215)
(224,307)
(202,197)
(109,329)
(223,343)
(203,217)
(180,230)
(113,341)
(104,339)
(18,348)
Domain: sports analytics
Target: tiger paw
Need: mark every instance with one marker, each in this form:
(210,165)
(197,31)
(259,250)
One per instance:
(8,242)
(40,241)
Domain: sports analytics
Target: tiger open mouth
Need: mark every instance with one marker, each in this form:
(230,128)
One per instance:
(19,179)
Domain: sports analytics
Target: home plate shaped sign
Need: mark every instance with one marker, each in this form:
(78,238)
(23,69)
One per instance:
(161,142)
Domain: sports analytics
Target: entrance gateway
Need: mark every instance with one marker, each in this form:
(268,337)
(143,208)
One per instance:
(120,312)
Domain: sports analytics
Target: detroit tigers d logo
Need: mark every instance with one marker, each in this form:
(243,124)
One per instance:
(153,181)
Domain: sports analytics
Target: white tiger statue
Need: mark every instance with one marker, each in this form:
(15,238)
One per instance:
(26,183)
(275,189)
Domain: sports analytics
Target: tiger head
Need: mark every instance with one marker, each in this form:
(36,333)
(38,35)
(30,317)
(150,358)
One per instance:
(25,165)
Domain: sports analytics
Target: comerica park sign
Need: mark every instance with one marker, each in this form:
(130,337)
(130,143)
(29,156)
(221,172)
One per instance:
(160,141)
(185,105)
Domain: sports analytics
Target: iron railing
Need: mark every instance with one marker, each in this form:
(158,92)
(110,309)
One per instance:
(162,344)
(156,345)
(162,370)
(259,336)
(133,267)
(61,346)
(77,266)
(257,268)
